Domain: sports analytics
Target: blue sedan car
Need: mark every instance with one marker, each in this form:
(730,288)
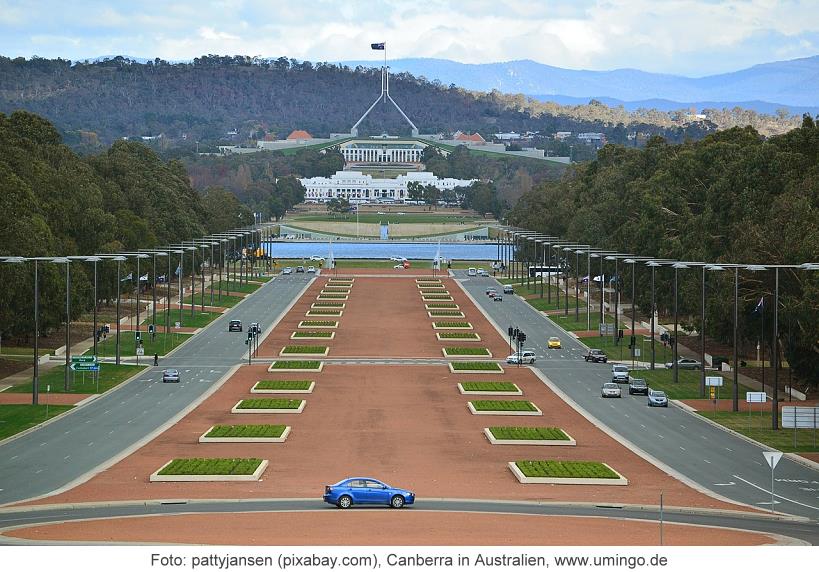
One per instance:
(364,490)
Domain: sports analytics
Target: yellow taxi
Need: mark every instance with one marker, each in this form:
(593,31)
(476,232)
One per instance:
(554,343)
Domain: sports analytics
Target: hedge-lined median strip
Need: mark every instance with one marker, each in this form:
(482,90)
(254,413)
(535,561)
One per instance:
(296,365)
(283,386)
(489,386)
(245,431)
(318,324)
(269,405)
(475,367)
(445,314)
(496,405)
(566,472)
(337,305)
(459,351)
(460,336)
(311,335)
(451,325)
(442,306)
(546,436)
(216,469)
(437,298)
(304,350)
(336,313)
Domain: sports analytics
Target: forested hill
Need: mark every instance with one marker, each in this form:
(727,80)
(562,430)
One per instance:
(203,100)
(732,197)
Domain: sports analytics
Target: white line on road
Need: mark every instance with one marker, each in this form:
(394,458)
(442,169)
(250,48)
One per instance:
(66,457)
(682,448)
(682,426)
(707,461)
(660,436)
(732,483)
(776,495)
(38,472)
(730,450)
(15,456)
(643,426)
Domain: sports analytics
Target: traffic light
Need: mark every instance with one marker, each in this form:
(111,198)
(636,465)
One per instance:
(150,328)
(138,335)
(511,331)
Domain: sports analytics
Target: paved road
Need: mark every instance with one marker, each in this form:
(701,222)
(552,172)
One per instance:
(66,449)
(719,461)
(806,532)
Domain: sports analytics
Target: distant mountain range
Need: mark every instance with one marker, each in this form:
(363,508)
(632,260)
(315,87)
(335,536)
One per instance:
(792,84)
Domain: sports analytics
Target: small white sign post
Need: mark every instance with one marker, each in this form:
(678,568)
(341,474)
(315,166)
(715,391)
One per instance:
(754,397)
(772,457)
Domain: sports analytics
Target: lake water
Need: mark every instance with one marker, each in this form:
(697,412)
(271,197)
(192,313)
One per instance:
(384,250)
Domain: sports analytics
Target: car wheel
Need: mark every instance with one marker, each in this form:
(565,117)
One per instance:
(397,501)
(345,501)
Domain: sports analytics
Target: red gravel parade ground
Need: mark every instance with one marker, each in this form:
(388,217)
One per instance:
(406,424)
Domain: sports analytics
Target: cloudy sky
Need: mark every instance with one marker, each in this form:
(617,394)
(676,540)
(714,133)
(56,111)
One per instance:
(688,37)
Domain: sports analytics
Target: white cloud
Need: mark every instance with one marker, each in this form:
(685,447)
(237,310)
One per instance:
(676,36)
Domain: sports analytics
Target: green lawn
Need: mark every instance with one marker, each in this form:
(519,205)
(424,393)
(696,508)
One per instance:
(532,433)
(282,384)
(544,305)
(110,375)
(21,351)
(246,431)
(245,288)
(295,364)
(566,469)
(159,344)
(270,403)
(198,320)
(211,467)
(688,386)
(460,351)
(488,386)
(571,325)
(225,302)
(760,429)
(493,405)
(304,349)
(391,217)
(458,335)
(16,418)
(475,366)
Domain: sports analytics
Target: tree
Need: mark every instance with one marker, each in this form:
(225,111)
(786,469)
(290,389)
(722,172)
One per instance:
(415,191)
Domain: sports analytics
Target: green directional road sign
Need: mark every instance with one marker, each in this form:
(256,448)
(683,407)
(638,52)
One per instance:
(85,367)
(83,359)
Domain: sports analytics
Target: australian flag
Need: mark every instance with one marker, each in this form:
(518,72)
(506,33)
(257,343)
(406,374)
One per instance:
(381,46)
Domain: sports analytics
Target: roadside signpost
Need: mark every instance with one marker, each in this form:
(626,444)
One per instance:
(714,383)
(800,418)
(86,363)
(754,397)
(772,457)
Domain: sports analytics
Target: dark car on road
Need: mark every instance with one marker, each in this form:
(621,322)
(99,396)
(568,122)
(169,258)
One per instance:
(366,490)
(637,385)
(235,326)
(170,376)
(597,356)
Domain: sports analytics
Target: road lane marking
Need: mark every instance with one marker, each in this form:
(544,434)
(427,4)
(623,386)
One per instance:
(707,461)
(732,483)
(66,457)
(643,426)
(775,495)
(727,449)
(682,448)
(660,436)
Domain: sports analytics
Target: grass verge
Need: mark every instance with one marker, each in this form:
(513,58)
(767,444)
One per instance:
(158,344)
(488,386)
(211,467)
(269,403)
(110,375)
(757,426)
(295,364)
(476,366)
(246,431)
(16,418)
(283,384)
(496,405)
(529,433)
(459,351)
(566,469)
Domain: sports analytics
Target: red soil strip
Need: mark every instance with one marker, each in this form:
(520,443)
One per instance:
(383,318)
(394,528)
(407,425)
(50,398)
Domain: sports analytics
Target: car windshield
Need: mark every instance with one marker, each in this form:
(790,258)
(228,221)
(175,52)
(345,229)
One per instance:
(554,339)
(620,368)
(659,394)
(638,382)
(610,385)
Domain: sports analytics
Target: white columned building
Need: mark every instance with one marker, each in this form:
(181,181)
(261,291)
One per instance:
(357,187)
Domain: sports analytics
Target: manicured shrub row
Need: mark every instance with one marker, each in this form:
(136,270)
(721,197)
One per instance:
(239,431)
(475,366)
(458,351)
(283,384)
(324,312)
(269,403)
(328,304)
(431,286)
(313,334)
(198,466)
(318,323)
(332,296)
(445,313)
(427,279)
(529,433)
(295,364)
(458,335)
(495,405)
(452,324)
(429,293)
(488,386)
(304,349)
(438,305)
(446,297)
(566,469)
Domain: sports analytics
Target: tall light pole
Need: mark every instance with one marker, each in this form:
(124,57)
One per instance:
(119,260)
(653,264)
(95,259)
(67,262)
(677,266)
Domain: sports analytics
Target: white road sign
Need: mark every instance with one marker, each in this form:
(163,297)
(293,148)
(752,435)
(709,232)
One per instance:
(772,457)
(713,381)
(756,397)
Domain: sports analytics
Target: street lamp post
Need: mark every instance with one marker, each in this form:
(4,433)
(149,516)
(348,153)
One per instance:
(677,266)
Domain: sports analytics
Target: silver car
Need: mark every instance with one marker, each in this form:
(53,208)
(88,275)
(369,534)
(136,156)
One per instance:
(657,399)
(684,363)
(170,376)
(610,390)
